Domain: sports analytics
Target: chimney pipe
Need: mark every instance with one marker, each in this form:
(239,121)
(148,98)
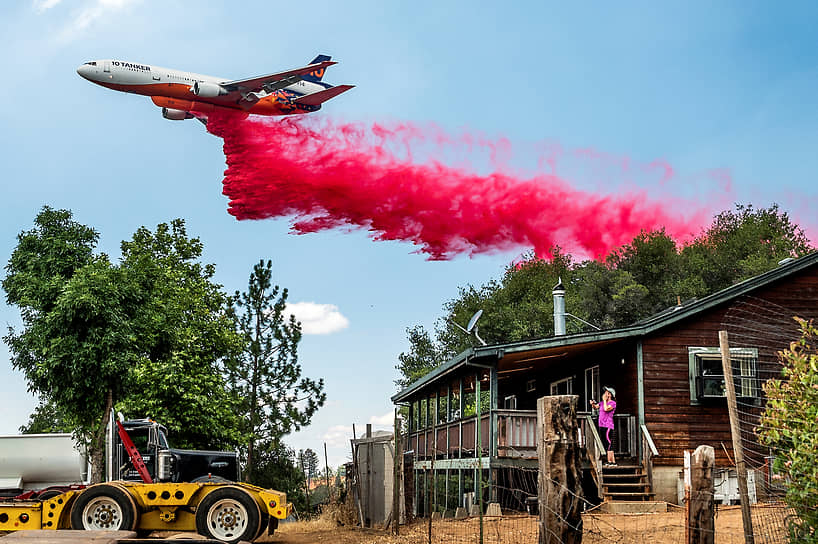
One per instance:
(559,308)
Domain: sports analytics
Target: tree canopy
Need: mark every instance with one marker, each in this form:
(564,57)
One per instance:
(265,378)
(645,276)
(145,335)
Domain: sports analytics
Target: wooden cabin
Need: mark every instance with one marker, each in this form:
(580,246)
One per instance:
(472,420)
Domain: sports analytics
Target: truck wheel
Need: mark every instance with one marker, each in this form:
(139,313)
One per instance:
(263,522)
(104,507)
(228,514)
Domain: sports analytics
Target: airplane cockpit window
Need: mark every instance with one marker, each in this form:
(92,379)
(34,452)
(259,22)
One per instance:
(92,63)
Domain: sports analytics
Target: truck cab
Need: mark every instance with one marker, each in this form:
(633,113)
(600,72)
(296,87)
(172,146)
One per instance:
(164,463)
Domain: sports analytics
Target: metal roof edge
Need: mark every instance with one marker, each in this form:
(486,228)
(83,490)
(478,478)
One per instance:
(729,293)
(642,328)
(444,368)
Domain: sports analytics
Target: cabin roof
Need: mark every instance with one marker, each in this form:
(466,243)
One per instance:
(576,341)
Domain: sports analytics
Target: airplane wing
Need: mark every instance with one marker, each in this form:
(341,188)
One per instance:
(274,82)
(322,96)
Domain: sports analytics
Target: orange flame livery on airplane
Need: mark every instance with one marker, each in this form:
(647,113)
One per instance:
(185,95)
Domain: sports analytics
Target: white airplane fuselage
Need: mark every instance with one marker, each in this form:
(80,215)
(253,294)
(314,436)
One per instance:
(179,92)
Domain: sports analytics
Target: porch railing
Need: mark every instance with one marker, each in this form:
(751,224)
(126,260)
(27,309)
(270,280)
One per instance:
(649,451)
(515,436)
(517,433)
(590,440)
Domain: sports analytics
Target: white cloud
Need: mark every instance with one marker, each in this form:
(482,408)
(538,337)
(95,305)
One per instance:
(87,15)
(386,420)
(338,436)
(45,5)
(318,318)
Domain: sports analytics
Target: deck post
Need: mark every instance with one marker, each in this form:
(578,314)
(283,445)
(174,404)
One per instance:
(735,430)
(560,470)
(701,505)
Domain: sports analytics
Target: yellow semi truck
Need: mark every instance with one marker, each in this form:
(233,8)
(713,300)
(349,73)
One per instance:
(224,511)
(42,478)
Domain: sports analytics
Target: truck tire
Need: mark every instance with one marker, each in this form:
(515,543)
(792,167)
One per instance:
(228,514)
(104,507)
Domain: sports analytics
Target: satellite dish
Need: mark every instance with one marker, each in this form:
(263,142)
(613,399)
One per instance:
(472,326)
(473,320)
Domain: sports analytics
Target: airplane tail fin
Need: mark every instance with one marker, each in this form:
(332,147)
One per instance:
(316,75)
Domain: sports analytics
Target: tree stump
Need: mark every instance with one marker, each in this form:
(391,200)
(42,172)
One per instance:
(560,470)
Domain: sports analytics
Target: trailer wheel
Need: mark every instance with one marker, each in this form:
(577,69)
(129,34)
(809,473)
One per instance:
(228,514)
(104,507)
(263,522)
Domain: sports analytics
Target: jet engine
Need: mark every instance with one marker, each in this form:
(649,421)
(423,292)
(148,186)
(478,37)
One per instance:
(176,115)
(207,90)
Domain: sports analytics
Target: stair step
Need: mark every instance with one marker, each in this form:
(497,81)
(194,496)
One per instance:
(629,496)
(621,485)
(617,476)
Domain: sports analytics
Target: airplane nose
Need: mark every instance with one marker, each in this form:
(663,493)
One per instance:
(85,71)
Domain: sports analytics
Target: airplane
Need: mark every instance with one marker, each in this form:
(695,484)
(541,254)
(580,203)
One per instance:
(185,95)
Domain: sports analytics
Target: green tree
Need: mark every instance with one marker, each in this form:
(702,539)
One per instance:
(789,425)
(309,463)
(46,418)
(740,244)
(186,330)
(77,346)
(277,468)
(144,335)
(652,260)
(423,356)
(265,377)
(635,281)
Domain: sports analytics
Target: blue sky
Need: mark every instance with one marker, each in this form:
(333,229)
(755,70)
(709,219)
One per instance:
(705,86)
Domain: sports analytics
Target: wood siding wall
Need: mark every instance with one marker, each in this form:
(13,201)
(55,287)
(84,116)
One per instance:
(674,422)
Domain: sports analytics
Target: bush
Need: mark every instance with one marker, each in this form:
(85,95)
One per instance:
(789,425)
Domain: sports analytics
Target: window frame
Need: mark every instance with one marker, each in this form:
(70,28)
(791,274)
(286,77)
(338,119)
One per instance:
(747,385)
(569,380)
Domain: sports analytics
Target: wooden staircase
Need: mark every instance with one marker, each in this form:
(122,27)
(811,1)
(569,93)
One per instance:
(627,481)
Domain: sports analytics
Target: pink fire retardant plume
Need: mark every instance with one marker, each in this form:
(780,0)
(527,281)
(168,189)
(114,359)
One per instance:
(326,175)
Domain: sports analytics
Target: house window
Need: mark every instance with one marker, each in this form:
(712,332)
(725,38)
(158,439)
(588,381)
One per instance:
(454,405)
(593,389)
(562,387)
(707,375)
(442,406)
(530,386)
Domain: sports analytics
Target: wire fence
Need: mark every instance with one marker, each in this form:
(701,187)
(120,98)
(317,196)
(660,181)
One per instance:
(506,511)
(666,525)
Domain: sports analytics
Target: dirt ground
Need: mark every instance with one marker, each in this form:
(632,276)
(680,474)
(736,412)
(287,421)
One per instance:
(769,524)
(663,528)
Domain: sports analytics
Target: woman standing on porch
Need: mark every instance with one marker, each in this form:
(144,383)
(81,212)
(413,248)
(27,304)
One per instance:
(606,420)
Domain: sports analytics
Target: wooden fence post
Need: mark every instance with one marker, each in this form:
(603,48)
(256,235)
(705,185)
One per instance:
(735,430)
(701,522)
(396,458)
(560,471)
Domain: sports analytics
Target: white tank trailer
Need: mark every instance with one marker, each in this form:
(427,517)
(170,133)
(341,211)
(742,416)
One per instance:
(37,461)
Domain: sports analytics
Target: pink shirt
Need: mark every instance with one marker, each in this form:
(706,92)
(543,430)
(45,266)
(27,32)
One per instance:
(606,418)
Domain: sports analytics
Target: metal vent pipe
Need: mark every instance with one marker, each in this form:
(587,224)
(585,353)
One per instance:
(559,308)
